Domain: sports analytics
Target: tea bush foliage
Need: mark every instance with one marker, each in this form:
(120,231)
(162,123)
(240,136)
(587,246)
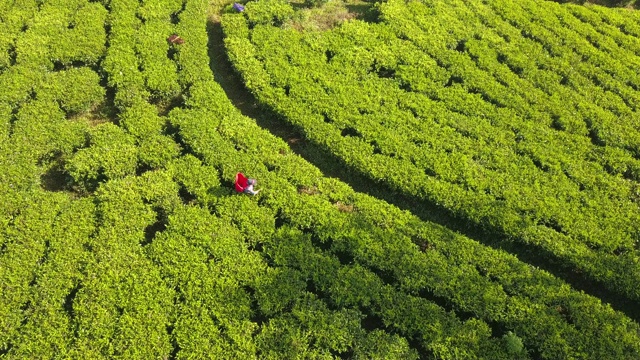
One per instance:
(121,235)
(516,118)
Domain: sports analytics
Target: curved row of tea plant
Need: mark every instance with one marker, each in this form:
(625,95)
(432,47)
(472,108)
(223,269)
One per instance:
(604,80)
(581,91)
(437,124)
(358,235)
(147,252)
(623,19)
(43,233)
(210,126)
(76,280)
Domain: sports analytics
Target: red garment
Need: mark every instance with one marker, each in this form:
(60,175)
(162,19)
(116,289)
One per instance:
(241,182)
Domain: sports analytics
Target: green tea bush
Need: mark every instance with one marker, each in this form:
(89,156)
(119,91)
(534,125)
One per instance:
(14,18)
(458,121)
(47,331)
(158,70)
(121,62)
(156,151)
(272,12)
(310,329)
(76,89)
(201,181)
(5,121)
(141,119)
(124,306)
(39,130)
(159,9)
(380,345)
(25,241)
(111,154)
(164,259)
(86,39)
(315,3)
(158,189)
(18,84)
(256,223)
(514,345)
(204,258)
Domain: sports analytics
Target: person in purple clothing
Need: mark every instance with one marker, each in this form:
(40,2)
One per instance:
(249,189)
(238,7)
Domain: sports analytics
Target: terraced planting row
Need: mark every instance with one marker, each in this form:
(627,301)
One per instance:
(439,101)
(121,235)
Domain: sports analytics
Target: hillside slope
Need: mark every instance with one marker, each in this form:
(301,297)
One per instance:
(518,118)
(121,235)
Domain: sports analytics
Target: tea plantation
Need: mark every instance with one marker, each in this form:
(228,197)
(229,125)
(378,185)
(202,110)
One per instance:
(122,237)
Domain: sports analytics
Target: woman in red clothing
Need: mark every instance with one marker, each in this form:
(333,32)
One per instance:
(245,185)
